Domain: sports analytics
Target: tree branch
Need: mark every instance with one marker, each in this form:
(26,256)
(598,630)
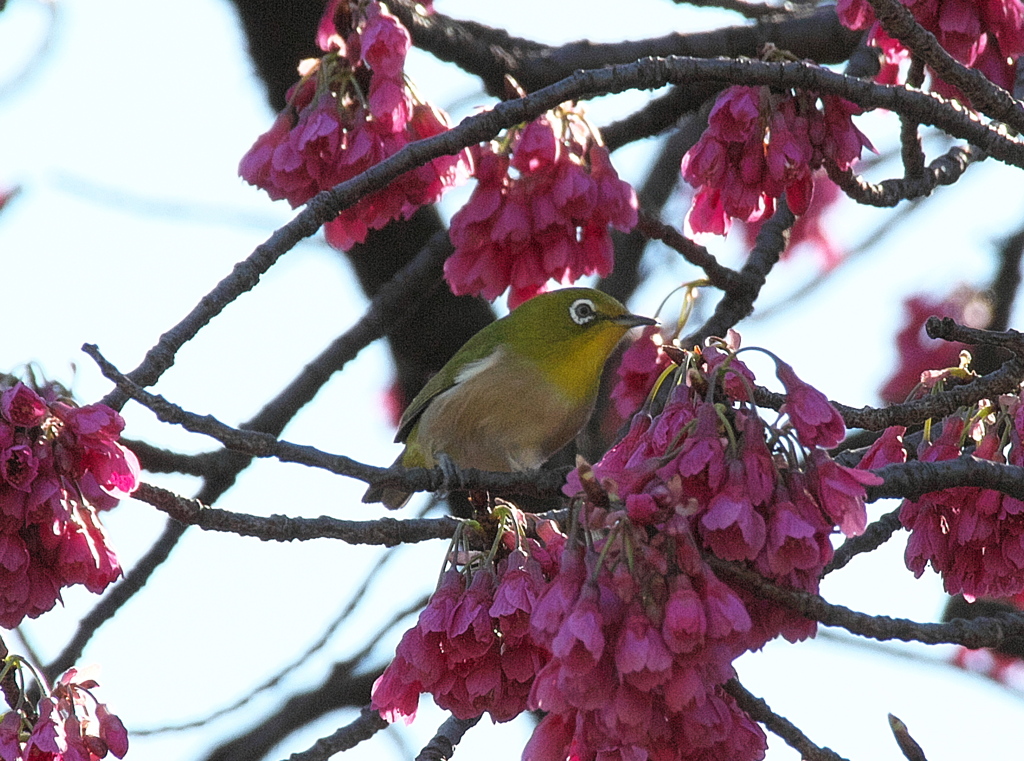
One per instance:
(991,99)
(442,745)
(1005,380)
(386,532)
(759,711)
(875,535)
(918,182)
(366,726)
(976,633)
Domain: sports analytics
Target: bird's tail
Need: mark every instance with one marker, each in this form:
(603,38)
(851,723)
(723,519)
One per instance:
(391,497)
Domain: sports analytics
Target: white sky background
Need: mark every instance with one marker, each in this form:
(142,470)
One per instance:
(125,138)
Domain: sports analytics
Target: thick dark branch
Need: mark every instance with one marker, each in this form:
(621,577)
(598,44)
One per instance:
(947,329)
(918,182)
(386,532)
(759,711)
(442,745)
(910,141)
(366,726)
(915,478)
(900,24)
(492,55)
(974,634)
(1005,380)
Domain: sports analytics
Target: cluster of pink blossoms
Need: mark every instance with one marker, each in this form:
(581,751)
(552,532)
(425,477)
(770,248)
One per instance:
(472,648)
(972,537)
(987,35)
(545,198)
(71,726)
(917,353)
(352,109)
(59,466)
(760,144)
(624,638)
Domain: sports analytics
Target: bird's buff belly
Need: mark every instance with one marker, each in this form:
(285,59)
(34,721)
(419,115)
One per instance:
(504,424)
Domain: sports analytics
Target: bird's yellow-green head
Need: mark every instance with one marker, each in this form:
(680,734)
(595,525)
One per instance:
(518,390)
(569,334)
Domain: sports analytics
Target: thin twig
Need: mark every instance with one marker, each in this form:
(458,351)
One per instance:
(760,712)
(738,302)
(387,532)
(718,275)
(875,535)
(748,10)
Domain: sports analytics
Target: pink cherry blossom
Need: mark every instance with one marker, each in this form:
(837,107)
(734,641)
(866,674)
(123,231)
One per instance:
(817,422)
(542,208)
(887,449)
(70,725)
(59,465)
(972,537)
(332,129)
(760,144)
(840,491)
(22,406)
(642,364)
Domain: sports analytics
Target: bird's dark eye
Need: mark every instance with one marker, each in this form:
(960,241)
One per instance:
(582,311)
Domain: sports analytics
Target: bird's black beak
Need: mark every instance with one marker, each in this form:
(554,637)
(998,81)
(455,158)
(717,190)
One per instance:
(632,320)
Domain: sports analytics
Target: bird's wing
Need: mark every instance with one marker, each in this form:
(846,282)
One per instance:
(446,379)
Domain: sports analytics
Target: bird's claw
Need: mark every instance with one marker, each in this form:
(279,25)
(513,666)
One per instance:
(449,473)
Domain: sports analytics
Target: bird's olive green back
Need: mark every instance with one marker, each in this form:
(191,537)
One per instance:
(541,330)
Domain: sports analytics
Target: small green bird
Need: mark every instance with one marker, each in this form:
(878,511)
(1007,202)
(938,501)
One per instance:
(517,391)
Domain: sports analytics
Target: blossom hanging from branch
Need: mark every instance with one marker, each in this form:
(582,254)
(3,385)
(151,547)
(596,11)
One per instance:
(353,108)
(545,199)
(68,724)
(761,143)
(59,466)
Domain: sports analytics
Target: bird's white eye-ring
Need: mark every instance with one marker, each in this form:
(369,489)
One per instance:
(582,311)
